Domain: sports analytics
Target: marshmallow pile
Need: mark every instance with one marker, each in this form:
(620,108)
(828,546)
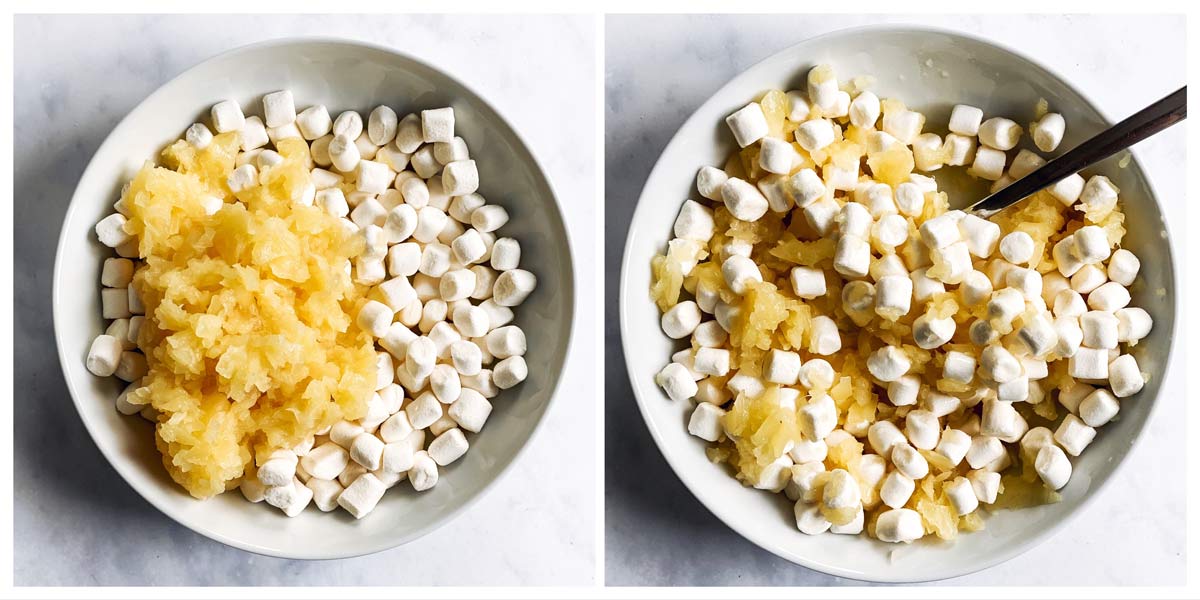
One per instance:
(441,287)
(879,358)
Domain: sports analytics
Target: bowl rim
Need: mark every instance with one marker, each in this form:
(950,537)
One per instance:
(1010,551)
(125,470)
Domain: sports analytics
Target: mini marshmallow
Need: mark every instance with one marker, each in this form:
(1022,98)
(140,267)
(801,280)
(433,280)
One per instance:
(445,384)
(1133,324)
(324,493)
(291,497)
(822,87)
(806,187)
(774,189)
(824,338)
(1100,329)
(1067,190)
(448,447)
(975,288)
(227,116)
(981,235)
(893,296)
(1099,407)
(424,410)
(1091,244)
(942,230)
(460,177)
(344,153)
(1069,303)
(362,496)
(424,473)
(708,182)
(962,496)
(1005,305)
(808,282)
(820,215)
(852,257)
(396,428)
(909,461)
(931,332)
(999,364)
(1074,435)
(965,120)
(744,201)
(922,429)
(1099,193)
(374,318)
(738,271)
(748,124)
(927,152)
(1038,334)
(509,340)
(864,110)
(882,435)
(681,320)
(984,450)
(903,391)
(1017,247)
(1000,133)
(131,366)
(986,485)
(815,135)
(988,164)
(332,201)
(941,404)
(198,135)
(1124,376)
(489,218)
(1025,163)
(818,417)
(325,461)
(958,366)
(854,220)
(677,382)
(1109,297)
(958,150)
(897,490)
(1064,256)
(114,303)
(954,445)
(1048,132)
(888,364)
(810,520)
(899,525)
(367,450)
(840,492)
(905,125)
(840,179)
(1123,267)
(776,475)
(776,156)
(705,422)
(782,367)
(437,125)
(714,361)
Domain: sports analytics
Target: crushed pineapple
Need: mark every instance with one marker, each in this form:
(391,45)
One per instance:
(248,335)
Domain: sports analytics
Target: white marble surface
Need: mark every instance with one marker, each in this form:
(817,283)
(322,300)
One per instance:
(76,522)
(657,71)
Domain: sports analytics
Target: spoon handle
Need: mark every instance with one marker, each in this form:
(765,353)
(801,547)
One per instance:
(1139,126)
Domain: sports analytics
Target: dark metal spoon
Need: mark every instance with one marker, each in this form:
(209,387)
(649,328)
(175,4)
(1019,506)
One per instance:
(1141,125)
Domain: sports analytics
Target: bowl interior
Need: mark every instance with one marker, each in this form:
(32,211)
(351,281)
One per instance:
(930,71)
(342,76)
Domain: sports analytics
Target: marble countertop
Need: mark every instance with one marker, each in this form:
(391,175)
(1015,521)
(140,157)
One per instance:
(656,531)
(76,522)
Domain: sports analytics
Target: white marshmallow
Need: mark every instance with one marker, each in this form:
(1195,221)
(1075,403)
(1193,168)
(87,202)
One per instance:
(291,498)
(986,485)
(1133,324)
(903,390)
(1017,247)
(893,296)
(227,116)
(981,235)
(1069,303)
(958,366)
(864,110)
(808,282)
(748,124)
(888,363)
(925,287)
(1067,190)
(1048,132)
(988,164)
(1109,297)
(424,473)
(899,525)
(1038,334)
(1064,256)
(965,120)
(708,182)
(743,200)
(984,450)
(954,445)
(810,520)
(824,338)
(999,364)
(1099,193)
(961,494)
(1123,267)
(1000,133)
(776,156)
(852,257)
(927,152)
(367,450)
(931,332)
(942,230)
(975,288)
(325,461)
(798,108)
(1125,377)
(362,496)
(818,417)
(922,429)
(705,422)
(448,447)
(1100,329)
(897,490)
(1025,163)
(344,153)
(815,135)
(677,382)
(820,214)
(905,125)
(806,187)
(104,355)
(1074,435)
(437,125)
(1098,408)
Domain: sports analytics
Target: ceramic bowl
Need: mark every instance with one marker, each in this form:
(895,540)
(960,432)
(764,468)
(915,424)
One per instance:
(342,75)
(931,70)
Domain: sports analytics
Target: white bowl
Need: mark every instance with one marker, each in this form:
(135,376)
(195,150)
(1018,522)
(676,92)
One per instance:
(931,70)
(342,75)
